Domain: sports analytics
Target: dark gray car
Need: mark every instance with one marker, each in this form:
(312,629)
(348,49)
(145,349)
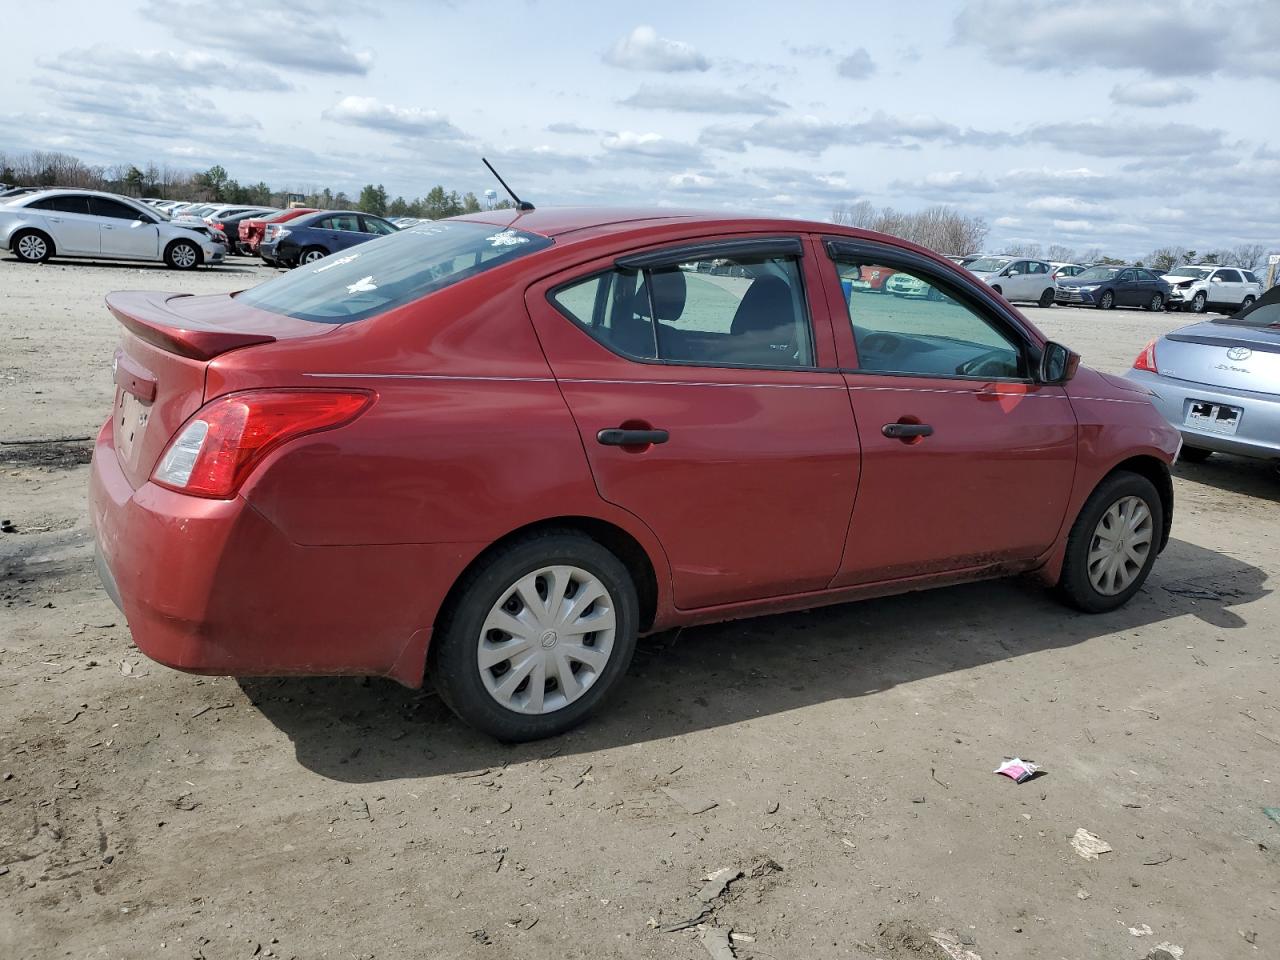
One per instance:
(1107,287)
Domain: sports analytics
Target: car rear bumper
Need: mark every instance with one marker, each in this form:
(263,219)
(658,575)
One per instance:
(213,587)
(1258,432)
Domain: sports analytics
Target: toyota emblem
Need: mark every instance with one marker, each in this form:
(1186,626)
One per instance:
(1239,353)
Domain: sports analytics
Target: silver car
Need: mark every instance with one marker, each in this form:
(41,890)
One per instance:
(1016,278)
(87,223)
(1218,382)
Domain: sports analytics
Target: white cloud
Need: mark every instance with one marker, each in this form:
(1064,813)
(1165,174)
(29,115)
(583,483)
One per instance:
(643,49)
(650,146)
(1064,205)
(1152,93)
(1008,221)
(703,100)
(372,114)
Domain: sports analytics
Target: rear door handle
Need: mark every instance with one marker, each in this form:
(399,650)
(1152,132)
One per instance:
(617,437)
(906,431)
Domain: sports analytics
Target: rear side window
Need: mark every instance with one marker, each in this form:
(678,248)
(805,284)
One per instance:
(390,271)
(374,225)
(1249,277)
(741,311)
(65,204)
(114,209)
(341,221)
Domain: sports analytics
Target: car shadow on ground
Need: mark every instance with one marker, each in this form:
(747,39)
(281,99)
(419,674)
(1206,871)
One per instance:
(363,731)
(243,266)
(1243,475)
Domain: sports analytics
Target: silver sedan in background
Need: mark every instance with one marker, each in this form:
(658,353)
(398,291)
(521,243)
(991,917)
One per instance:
(1219,382)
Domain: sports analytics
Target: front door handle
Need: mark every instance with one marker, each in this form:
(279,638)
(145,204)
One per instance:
(618,437)
(906,431)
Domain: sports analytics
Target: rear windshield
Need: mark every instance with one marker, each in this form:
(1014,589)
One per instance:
(390,271)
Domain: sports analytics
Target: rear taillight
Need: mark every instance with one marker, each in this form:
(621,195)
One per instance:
(1147,359)
(226,439)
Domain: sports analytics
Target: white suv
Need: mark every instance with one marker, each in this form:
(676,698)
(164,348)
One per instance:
(86,223)
(1209,287)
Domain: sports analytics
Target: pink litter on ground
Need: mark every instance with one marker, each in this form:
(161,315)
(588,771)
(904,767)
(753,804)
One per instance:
(1017,769)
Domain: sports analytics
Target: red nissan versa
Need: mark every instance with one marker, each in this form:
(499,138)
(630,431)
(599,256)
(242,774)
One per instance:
(494,449)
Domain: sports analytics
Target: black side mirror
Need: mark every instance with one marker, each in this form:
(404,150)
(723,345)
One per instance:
(1058,364)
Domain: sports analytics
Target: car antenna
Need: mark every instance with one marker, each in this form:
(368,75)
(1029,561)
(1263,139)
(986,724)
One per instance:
(520,204)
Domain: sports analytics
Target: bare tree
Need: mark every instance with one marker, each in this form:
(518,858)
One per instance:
(1165,259)
(860,214)
(1060,254)
(1022,249)
(1249,256)
(939,227)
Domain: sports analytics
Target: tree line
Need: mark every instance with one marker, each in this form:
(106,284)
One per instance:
(54,169)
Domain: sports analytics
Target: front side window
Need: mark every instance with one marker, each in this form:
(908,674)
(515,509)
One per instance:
(391,271)
(1126,276)
(714,311)
(1228,276)
(923,331)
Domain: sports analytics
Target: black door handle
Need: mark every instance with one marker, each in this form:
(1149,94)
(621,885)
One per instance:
(617,437)
(905,431)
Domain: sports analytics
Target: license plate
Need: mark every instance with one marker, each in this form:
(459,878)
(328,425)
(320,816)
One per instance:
(131,421)
(1213,417)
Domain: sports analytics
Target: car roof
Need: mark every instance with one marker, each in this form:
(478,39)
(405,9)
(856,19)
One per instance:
(559,221)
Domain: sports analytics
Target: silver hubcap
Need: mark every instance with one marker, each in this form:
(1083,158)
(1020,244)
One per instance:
(1106,299)
(312,257)
(547,640)
(1120,546)
(1156,301)
(184,256)
(1198,303)
(32,248)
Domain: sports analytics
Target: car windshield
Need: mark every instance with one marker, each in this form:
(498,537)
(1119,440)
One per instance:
(391,271)
(1098,273)
(988,264)
(1195,273)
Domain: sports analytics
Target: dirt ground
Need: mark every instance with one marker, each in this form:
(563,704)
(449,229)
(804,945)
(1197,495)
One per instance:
(840,761)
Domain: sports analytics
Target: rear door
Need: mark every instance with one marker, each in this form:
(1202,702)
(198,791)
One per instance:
(702,382)
(1128,290)
(966,461)
(71,224)
(124,231)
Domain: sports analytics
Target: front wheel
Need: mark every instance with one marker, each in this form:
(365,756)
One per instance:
(1046,298)
(182,255)
(1198,302)
(538,637)
(1107,300)
(1113,544)
(1157,303)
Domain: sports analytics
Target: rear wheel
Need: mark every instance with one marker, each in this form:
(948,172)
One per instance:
(1107,300)
(1247,303)
(311,255)
(1194,454)
(1046,298)
(996,288)
(1156,304)
(32,246)
(182,255)
(1112,544)
(538,636)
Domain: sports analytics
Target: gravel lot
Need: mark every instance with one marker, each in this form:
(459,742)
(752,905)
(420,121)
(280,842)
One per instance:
(841,759)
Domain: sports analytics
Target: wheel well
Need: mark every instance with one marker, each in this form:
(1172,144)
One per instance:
(620,543)
(1157,471)
(36,230)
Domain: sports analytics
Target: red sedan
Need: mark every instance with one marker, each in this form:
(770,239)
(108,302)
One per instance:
(493,450)
(253,230)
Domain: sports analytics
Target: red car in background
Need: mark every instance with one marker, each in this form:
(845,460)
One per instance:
(253,230)
(494,449)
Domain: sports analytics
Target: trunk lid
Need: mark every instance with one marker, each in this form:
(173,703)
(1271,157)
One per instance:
(160,366)
(1230,355)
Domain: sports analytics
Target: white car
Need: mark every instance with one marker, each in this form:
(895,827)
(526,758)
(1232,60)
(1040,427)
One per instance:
(86,223)
(1016,278)
(1210,287)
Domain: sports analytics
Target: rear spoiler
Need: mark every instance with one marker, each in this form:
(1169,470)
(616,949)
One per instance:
(149,316)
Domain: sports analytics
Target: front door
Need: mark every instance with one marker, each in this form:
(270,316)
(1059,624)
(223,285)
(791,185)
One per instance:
(966,462)
(703,386)
(125,232)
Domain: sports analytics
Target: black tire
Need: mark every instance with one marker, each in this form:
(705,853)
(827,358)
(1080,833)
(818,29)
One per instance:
(1194,454)
(1198,302)
(1074,586)
(996,288)
(183,255)
(311,255)
(1156,303)
(1046,298)
(1247,303)
(453,663)
(37,249)
(1107,301)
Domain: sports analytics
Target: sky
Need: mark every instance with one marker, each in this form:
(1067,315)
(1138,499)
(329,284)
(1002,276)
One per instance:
(1096,124)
